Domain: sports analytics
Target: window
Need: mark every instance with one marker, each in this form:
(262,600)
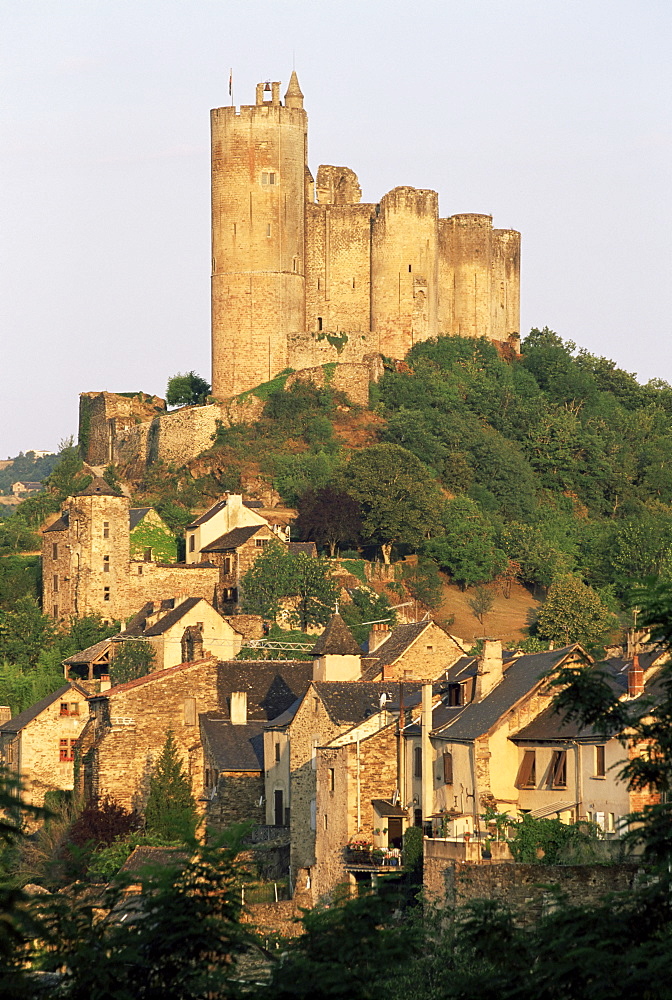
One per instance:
(559,769)
(315,744)
(447,768)
(66,751)
(148,554)
(106,564)
(74,708)
(410,268)
(267,178)
(325,821)
(140,570)
(353,282)
(278,808)
(55,583)
(106,593)
(527,772)
(600,763)
(64,708)
(190,711)
(417,762)
(454,695)
(268,229)
(430,649)
(207,777)
(277,753)
(332,779)
(192,542)
(54,551)
(9,753)
(313,814)
(319,322)
(295,264)
(260,542)
(106,529)
(227,565)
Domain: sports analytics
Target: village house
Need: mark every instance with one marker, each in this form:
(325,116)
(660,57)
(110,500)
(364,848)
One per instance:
(235,553)
(230,512)
(459,759)
(179,631)
(88,563)
(421,650)
(38,744)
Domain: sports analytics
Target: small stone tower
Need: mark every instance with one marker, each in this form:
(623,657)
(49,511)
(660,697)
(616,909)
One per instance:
(258,235)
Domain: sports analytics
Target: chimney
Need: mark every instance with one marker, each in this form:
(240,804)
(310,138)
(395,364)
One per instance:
(5,713)
(378,634)
(490,669)
(105,683)
(238,708)
(635,678)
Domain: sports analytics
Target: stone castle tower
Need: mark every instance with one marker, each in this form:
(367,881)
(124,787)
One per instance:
(297,265)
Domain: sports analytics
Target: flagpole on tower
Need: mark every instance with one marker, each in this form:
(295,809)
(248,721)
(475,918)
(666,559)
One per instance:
(231,85)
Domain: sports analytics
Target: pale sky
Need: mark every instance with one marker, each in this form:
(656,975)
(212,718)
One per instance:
(552,115)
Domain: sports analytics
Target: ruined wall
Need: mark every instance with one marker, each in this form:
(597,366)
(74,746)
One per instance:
(258,294)
(526,888)
(465,275)
(354,380)
(106,418)
(141,713)
(404,270)
(505,285)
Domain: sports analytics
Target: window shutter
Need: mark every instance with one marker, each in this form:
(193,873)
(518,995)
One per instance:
(527,773)
(447,768)
(559,769)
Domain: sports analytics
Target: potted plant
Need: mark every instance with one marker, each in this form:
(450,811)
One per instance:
(486,852)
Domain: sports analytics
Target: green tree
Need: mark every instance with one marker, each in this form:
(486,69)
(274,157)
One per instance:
(398,495)
(467,547)
(170,811)
(423,581)
(297,586)
(24,632)
(574,612)
(187,389)
(132,658)
(329,517)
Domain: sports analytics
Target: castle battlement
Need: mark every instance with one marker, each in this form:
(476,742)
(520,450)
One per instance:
(291,257)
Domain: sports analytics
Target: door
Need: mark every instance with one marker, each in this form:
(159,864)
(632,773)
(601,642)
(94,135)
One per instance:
(394,832)
(278,810)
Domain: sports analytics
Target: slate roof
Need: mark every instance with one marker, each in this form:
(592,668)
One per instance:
(232,539)
(467,722)
(233,748)
(98,487)
(21,720)
(336,640)
(307,548)
(61,524)
(354,701)
(135,516)
(384,808)
(617,666)
(89,654)
(400,639)
(172,617)
(550,726)
(136,625)
(272,686)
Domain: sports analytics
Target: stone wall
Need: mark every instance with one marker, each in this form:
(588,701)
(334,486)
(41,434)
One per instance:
(352,379)
(148,581)
(132,721)
(237,799)
(525,888)
(105,418)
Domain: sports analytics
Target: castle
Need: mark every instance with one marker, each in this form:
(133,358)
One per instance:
(299,266)
(308,279)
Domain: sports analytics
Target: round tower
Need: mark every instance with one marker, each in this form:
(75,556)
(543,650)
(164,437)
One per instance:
(258,196)
(404,269)
(466,275)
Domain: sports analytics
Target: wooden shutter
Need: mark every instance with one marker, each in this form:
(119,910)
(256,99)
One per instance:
(559,769)
(527,772)
(447,768)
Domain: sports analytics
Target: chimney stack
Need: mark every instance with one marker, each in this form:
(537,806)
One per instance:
(378,634)
(105,683)
(635,678)
(5,713)
(490,668)
(238,708)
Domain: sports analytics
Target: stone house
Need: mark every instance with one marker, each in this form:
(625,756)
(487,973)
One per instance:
(230,512)
(87,565)
(183,630)
(421,650)
(459,757)
(38,745)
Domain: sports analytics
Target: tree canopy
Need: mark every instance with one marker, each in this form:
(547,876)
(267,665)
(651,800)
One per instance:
(187,389)
(171,810)
(298,587)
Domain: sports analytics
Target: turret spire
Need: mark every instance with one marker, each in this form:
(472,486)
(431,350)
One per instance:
(294,97)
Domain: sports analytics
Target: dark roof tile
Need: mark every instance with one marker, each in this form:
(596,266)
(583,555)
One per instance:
(272,686)
(233,748)
(98,487)
(174,616)
(232,539)
(336,640)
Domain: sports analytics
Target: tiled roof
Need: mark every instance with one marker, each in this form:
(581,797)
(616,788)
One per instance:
(137,624)
(172,617)
(336,640)
(232,539)
(89,654)
(98,487)
(21,720)
(521,676)
(285,717)
(272,686)
(155,675)
(233,748)
(135,516)
(61,524)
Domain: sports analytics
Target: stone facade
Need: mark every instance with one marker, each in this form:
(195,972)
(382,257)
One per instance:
(124,738)
(291,270)
(38,744)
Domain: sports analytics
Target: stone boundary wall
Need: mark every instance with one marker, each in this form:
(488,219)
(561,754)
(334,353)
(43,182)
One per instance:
(528,889)
(274,918)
